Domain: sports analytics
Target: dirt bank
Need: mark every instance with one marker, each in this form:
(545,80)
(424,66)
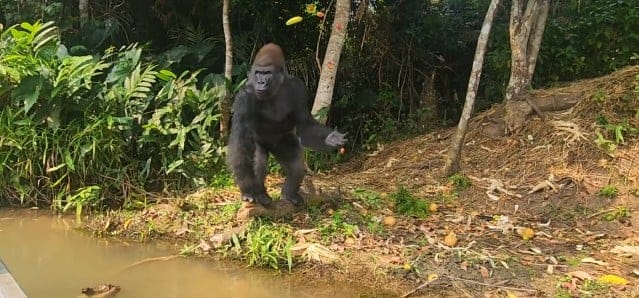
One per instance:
(550,210)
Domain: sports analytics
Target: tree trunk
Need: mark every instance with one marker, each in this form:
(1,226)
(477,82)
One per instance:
(452,164)
(326,84)
(83,7)
(527,23)
(225,104)
(537,35)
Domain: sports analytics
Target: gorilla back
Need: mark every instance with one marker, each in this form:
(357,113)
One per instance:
(271,115)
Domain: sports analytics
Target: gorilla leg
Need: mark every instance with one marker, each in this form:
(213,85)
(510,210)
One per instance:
(289,154)
(243,161)
(261,163)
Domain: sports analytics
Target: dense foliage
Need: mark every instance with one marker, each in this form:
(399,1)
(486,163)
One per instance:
(109,123)
(93,106)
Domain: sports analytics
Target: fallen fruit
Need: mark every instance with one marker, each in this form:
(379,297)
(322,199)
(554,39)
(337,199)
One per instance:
(526,233)
(390,221)
(294,20)
(450,239)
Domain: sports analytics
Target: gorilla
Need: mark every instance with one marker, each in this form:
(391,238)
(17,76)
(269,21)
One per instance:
(271,115)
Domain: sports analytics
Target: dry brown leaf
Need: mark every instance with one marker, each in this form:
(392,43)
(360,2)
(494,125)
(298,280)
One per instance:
(593,261)
(583,275)
(484,272)
(463,265)
(625,250)
(349,241)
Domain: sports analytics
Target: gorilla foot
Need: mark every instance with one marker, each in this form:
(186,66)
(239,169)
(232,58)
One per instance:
(262,199)
(295,199)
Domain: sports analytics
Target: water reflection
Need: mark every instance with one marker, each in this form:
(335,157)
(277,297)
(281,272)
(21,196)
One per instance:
(50,259)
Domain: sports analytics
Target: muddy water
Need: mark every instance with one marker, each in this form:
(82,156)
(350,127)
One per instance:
(51,259)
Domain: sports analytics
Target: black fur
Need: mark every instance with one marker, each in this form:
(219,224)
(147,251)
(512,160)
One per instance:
(274,119)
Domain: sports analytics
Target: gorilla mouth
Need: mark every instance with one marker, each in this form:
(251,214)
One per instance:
(260,93)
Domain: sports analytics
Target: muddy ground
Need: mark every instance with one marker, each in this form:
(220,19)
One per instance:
(551,210)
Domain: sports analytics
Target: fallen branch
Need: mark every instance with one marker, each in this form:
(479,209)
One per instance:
(600,213)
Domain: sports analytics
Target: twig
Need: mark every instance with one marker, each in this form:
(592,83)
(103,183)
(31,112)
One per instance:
(147,260)
(600,213)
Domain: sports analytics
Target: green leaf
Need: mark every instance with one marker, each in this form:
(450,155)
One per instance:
(174,165)
(28,91)
(60,166)
(166,75)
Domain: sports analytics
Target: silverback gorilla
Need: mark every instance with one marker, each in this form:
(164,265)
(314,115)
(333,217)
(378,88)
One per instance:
(271,115)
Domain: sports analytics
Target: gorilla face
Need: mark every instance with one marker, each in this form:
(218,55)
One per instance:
(266,81)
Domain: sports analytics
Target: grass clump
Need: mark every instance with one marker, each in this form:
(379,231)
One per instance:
(407,204)
(269,244)
(459,181)
(608,191)
(621,213)
(337,226)
(370,198)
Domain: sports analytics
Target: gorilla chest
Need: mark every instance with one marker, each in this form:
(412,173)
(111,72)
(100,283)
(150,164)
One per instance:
(274,118)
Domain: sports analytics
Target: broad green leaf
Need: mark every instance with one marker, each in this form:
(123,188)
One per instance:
(28,91)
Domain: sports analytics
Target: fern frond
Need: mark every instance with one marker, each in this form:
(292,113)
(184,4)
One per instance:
(43,34)
(77,72)
(138,84)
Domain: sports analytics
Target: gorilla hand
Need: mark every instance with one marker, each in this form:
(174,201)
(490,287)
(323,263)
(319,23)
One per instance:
(335,139)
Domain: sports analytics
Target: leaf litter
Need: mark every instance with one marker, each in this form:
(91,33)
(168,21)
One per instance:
(531,222)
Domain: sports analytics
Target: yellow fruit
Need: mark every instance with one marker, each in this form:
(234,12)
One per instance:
(526,233)
(450,239)
(433,207)
(294,20)
(389,221)
(407,266)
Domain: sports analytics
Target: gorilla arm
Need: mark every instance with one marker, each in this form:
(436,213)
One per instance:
(313,134)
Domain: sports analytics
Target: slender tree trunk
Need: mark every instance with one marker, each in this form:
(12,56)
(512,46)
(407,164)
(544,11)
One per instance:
(83,7)
(527,23)
(452,164)
(225,105)
(537,35)
(326,84)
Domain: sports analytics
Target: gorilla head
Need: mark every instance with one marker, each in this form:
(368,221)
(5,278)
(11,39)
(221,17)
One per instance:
(267,72)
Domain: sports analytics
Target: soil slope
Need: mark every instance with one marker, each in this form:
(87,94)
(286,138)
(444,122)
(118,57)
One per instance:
(551,210)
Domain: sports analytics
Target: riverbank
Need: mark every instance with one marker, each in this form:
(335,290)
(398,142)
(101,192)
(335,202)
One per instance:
(546,211)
